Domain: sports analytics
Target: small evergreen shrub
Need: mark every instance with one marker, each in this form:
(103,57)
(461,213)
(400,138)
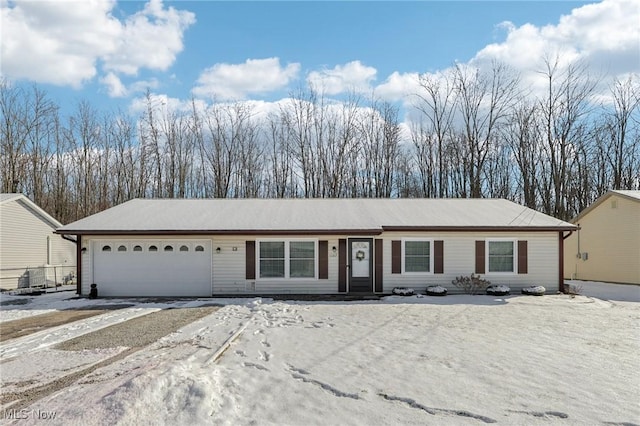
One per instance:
(534,290)
(436,290)
(403,291)
(498,290)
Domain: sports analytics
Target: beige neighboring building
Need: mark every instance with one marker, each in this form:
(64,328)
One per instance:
(30,253)
(607,246)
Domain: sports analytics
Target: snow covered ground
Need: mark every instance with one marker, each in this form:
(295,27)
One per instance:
(554,359)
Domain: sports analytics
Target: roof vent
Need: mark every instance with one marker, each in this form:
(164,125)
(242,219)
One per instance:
(614,204)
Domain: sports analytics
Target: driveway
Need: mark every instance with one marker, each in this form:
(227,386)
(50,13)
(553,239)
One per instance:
(608,291)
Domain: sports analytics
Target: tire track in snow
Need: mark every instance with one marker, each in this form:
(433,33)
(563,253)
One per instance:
(165,321)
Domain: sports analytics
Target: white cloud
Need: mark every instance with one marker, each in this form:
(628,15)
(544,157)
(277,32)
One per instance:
(150,39)
(115,88)
(398,86)
(343,78)
(62,41)
(603,35)
(236,81)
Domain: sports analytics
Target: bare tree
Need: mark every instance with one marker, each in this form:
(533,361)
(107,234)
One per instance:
(483,101)
(437,102)
(562,111)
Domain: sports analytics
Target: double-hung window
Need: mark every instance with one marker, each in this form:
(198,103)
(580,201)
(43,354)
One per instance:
(417,256)
(287,259)
(501,256)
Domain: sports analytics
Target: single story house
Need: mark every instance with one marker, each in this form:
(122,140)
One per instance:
(31,254)
(607,246)
(205,247)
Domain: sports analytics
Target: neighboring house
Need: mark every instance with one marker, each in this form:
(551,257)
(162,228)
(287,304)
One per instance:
(30,252)
(205,247)
(607,246)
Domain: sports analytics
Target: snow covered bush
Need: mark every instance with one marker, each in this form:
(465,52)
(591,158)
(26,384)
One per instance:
(436,290)
(403,291)
(534,290)
(498,290)
(471,284)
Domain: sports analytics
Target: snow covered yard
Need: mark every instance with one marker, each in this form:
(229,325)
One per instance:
(403,360)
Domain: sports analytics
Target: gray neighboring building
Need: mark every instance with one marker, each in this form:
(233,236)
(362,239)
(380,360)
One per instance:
(30,251)
(205,247)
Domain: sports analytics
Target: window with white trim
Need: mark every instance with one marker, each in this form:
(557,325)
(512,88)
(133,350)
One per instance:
(417,256)
(501,255)
(287,259)
(272,259)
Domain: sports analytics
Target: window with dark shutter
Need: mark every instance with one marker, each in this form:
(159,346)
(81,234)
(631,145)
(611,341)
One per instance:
(480,257)
(396,257)
(250,263)
(438,257)
(323,260)
(522,257)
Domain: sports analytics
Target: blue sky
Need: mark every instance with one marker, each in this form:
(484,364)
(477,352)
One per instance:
(109,52)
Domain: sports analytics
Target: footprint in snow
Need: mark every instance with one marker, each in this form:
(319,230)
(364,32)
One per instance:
(266,344)
(256,366)
(265,356)
(241,353)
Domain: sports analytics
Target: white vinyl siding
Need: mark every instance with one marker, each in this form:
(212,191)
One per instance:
(229,269)
(25,237)
(459,259)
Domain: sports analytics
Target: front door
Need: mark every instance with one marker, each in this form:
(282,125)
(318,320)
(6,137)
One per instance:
(361,265)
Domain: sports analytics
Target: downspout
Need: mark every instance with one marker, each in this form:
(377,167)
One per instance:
(78,242)
(561,260)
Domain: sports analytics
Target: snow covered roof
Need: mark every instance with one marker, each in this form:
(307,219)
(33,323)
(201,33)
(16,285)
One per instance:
(628,193)
(326,216)
(30,205)
(625,193)
(10,196)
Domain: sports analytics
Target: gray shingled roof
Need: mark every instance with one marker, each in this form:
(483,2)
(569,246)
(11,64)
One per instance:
(309,215)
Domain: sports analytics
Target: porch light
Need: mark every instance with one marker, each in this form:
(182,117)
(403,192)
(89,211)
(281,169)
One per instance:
(218,250)
(334,249)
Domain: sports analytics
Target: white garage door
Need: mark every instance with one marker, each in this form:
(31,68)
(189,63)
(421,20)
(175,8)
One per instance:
(152,268)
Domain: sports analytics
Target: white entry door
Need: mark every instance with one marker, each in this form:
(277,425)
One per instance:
(163,268)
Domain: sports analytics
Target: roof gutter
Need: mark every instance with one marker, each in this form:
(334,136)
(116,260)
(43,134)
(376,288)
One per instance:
(68,238)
